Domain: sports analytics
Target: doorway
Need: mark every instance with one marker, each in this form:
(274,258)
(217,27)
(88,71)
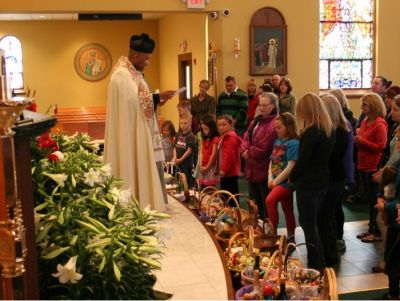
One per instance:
(185,76)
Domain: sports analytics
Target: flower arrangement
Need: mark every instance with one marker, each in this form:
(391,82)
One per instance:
(93,240)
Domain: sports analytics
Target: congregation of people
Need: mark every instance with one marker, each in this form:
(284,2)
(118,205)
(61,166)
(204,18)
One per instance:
(312,149)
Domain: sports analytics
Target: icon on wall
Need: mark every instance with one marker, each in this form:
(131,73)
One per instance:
(93,62)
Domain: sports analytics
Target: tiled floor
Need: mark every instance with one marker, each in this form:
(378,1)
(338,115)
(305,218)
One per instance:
(192,268)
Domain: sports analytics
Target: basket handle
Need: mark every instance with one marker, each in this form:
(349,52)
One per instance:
(251,240)
(271,261)
(235,200)
(251,203)
(214,194)
(183,180)
(232,240)
(207,191)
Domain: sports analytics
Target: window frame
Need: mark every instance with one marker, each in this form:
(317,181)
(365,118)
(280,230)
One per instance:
(354,92)
(22,60)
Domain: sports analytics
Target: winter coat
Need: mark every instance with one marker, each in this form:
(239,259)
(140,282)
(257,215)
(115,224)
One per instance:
(259,146)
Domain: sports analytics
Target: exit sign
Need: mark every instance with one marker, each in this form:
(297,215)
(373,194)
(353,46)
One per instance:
(196,3)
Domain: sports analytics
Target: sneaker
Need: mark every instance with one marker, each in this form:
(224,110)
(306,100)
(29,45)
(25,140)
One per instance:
(371,238)
(363,234)
(341,245)
(377,269)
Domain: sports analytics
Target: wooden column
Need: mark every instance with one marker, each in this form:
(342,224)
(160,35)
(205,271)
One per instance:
(6,283)
(24,182)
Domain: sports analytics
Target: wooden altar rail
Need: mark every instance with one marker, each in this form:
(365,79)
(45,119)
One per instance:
(91,120)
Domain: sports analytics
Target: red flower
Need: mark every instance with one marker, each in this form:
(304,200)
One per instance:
(45,141)
(32,107)
(53,158)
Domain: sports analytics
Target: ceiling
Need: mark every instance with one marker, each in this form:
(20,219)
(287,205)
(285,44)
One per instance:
(58,17)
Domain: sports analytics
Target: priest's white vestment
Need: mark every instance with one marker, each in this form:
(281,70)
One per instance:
(132,140)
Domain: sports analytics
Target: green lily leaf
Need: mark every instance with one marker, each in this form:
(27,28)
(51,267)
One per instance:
(102,264)
(55,253)
(117,272)
(42,234)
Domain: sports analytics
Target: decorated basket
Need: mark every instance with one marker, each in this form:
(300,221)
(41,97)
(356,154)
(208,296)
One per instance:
(240,252)
(227,224)
(250,216)
(215,203)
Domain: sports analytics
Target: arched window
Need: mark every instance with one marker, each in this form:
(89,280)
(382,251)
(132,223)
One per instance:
(346,44)
(13,54)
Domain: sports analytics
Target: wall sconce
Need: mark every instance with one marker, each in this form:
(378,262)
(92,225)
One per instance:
(236,48)
(183,46)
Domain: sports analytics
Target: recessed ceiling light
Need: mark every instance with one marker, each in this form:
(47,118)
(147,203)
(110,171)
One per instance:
(42,16)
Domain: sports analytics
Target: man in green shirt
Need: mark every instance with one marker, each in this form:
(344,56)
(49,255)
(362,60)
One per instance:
(233,101)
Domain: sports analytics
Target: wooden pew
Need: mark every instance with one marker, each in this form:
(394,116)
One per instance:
(91,120)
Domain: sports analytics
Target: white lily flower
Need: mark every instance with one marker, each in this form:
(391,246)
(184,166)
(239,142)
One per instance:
(45,164)
(148,211)
(106,169)
(59,178)
(59,155)
(115,192)
(67,273)
(125,198)
(92,177)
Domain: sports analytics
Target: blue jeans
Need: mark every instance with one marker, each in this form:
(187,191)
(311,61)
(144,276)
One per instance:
(308,204)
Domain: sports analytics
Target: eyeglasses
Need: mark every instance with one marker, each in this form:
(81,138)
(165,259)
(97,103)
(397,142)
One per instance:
(264,105)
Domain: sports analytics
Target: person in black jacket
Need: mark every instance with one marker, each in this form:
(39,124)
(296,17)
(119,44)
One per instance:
(310,175)
(337,180)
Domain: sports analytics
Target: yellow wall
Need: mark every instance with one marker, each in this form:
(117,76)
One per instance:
(49,48)
(173,29)
(215,36)
(62,39)
(303,50)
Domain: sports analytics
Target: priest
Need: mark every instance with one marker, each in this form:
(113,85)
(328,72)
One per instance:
(132,139)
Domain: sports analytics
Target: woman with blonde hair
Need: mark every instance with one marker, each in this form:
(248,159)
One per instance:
(371,140)
(310,174)
(327,224)
(344,104)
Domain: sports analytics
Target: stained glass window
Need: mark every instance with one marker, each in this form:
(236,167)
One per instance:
(346,44)
(13,55)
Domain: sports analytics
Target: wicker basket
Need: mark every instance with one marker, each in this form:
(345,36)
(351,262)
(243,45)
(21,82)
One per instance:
(249,217)
(215,203)
(225,230)
(241,240)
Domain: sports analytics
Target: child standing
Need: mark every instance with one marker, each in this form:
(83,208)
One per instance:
(167,139)
(209,145)
(283,158)
(228,154)
(184,146)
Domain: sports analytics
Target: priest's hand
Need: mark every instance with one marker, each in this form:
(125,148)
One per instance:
(166,95)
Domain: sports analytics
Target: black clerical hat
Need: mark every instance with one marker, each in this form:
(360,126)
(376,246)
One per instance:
(142,43)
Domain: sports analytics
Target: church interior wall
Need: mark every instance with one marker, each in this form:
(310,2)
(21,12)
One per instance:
(49,48)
